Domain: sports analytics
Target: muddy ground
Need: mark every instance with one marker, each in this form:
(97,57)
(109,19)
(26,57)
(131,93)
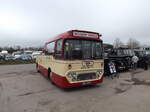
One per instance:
(22,89)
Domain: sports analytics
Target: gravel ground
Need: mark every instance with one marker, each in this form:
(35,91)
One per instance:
(22,89)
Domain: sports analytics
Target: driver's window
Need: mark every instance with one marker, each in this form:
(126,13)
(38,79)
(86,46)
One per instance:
(58,50)
(50,47)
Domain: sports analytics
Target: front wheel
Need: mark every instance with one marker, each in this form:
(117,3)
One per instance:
(50,76)
(37,67)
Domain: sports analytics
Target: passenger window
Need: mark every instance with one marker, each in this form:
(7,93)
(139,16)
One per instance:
(58,51)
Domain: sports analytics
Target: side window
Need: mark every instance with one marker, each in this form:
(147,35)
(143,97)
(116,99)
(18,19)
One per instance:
(50,47)
(58,51)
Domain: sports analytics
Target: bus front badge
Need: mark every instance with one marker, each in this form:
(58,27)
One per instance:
(87,64)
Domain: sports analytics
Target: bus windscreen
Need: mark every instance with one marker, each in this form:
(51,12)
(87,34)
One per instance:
(83,49)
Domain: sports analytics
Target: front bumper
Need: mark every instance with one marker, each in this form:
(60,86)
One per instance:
(63,82)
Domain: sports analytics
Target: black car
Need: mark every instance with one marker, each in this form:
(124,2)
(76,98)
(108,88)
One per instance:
(2,58)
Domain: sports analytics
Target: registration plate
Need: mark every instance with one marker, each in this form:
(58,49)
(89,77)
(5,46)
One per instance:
(86,83)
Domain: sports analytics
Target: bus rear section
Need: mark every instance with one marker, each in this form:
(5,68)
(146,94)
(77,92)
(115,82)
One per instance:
(72,59)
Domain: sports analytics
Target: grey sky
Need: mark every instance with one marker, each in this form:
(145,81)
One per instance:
(32,22)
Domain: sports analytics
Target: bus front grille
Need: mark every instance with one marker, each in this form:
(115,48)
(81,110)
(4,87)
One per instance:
(86,76)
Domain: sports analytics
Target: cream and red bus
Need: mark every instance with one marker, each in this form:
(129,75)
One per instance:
(74,58)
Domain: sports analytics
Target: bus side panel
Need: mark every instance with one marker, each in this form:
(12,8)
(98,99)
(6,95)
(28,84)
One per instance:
(42,61)
(63,82)
(43,70)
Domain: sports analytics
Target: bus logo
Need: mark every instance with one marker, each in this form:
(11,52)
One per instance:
(87,64)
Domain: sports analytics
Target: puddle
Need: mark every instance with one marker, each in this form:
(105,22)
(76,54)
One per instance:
(29,93)
(32,72)
(140,82)
(128,80)
(135,72)
(43,103)
(137,81)
(36,92)
(119,91)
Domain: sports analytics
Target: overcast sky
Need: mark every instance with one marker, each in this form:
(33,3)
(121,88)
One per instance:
(32,22)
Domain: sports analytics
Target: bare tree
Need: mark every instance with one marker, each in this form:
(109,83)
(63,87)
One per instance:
(133,43)
(118,43)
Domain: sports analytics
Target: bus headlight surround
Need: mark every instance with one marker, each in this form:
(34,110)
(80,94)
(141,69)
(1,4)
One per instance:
(72,75)
(98,73)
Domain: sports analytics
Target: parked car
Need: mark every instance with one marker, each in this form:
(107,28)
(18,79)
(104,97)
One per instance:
(28,52)
(2,57)
(36,53)
(9,57)
(121,57)
(4,52)
(17,54)
(25,57)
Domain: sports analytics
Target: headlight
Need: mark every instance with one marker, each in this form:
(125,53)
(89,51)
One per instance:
(69,75)
(98,73)
(72,75)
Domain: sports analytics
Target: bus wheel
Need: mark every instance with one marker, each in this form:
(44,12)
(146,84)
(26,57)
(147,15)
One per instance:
(37,68)
(50,75)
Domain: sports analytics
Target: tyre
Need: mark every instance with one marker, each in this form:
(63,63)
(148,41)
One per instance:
(37,67)
(50,75)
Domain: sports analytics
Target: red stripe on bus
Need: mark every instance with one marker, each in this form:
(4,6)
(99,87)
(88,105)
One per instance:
(43,70)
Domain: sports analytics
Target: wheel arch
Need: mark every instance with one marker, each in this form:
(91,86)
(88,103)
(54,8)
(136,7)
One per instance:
(48,73)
